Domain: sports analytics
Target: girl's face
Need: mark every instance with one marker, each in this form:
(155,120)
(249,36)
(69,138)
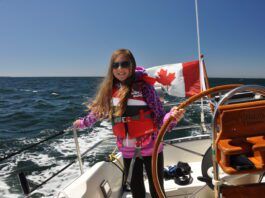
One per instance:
(121,68)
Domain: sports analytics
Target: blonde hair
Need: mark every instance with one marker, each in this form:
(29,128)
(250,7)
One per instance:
(101,105)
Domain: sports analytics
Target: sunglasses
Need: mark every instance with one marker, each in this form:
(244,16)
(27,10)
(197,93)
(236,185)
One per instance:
(125,64)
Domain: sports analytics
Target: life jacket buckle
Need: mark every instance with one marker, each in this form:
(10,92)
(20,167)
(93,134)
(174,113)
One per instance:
(125,119)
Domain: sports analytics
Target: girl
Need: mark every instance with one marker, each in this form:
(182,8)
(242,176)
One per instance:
(131,103)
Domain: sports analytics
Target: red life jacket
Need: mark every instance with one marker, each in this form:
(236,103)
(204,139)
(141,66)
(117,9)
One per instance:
(137,120)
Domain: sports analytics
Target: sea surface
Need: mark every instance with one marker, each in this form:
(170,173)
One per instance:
(35,108)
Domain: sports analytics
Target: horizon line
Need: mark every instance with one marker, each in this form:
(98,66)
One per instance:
(104,76)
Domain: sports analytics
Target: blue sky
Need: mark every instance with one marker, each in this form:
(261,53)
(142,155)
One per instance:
(77,37)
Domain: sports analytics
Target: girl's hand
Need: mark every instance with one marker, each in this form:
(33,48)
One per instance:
(78,124)
(178,114)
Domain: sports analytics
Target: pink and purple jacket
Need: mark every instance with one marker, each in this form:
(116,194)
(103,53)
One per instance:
(127,146)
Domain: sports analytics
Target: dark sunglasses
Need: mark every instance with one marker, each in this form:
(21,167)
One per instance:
(125,64)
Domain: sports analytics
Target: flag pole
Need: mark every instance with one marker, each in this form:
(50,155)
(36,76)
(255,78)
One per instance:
(201,66)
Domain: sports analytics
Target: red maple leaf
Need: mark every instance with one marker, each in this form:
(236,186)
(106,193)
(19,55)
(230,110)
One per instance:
(164,78)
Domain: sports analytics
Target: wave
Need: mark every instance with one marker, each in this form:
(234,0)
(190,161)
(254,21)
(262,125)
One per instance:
(7,90)
(19,115)
(42,104)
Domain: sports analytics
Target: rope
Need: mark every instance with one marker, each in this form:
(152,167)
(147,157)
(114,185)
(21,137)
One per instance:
(113,157)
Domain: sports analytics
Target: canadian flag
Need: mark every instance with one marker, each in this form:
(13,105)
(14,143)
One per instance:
(180,79)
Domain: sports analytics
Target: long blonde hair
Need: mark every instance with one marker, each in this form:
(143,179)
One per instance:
(101,105)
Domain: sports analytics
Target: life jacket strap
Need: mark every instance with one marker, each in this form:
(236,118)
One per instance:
(137,153)
(122,119)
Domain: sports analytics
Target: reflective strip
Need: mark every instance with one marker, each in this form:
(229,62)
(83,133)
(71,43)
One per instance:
(129,142)
(130,102)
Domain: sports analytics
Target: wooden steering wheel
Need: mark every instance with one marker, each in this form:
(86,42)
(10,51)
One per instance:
(164,127)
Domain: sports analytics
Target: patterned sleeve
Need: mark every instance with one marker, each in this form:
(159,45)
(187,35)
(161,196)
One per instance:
(154,103)
(89,120)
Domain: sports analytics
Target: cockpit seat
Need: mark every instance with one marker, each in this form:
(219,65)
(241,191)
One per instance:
(241,138)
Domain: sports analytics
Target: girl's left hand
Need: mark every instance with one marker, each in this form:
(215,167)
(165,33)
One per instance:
(178,114)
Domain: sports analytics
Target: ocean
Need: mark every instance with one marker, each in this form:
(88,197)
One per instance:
(34,108)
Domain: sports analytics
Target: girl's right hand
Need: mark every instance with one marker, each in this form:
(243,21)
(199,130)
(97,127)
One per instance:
(78,124)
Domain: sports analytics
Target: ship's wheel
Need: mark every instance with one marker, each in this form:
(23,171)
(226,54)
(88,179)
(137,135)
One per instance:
(163,129)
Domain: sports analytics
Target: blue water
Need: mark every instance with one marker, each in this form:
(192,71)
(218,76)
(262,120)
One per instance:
(34,108)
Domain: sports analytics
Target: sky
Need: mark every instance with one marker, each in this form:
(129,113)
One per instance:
(77,37)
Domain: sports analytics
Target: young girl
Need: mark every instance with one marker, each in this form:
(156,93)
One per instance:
(136,113)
